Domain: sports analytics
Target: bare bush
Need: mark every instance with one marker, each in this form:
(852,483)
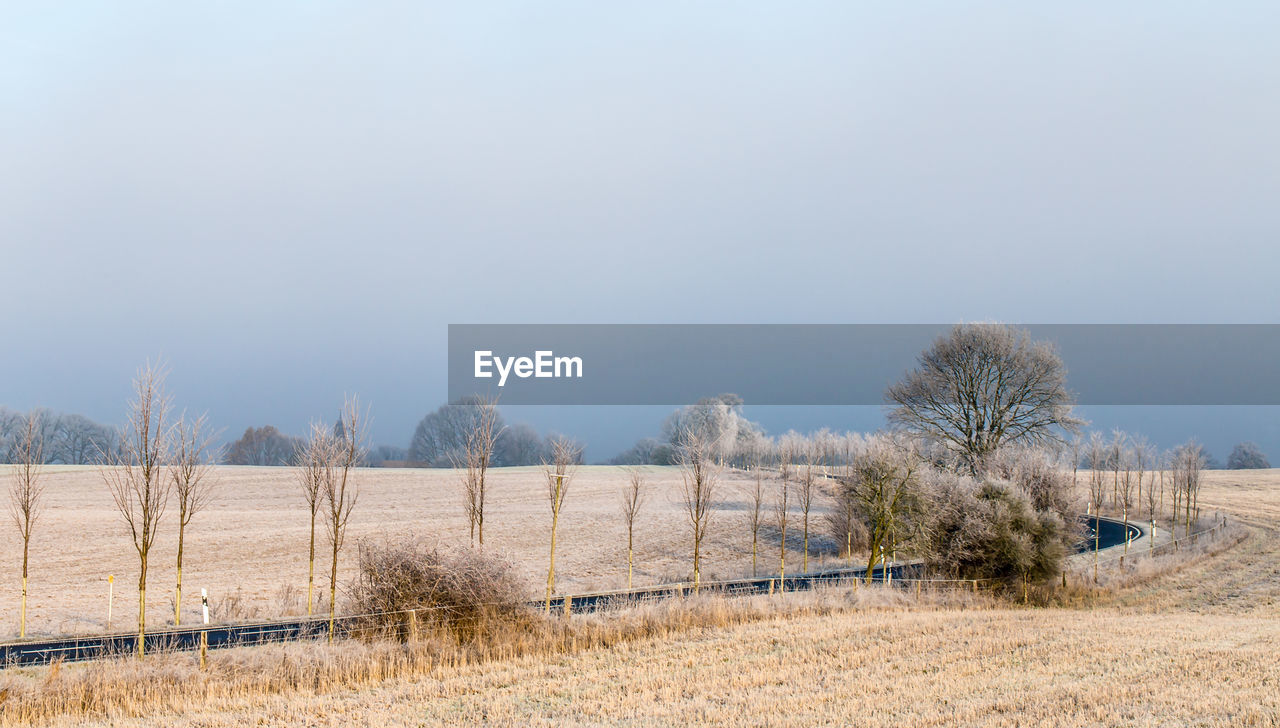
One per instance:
(991,530)
(459,591)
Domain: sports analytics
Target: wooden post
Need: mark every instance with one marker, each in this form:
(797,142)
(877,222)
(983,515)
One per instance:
(771,587)
(204,634)
(975,586)
(413,625)
(568,605)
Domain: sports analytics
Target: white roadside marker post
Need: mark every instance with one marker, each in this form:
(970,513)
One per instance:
(204,634)
(111,585)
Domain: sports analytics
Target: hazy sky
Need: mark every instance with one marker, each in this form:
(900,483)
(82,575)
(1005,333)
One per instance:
(287,202)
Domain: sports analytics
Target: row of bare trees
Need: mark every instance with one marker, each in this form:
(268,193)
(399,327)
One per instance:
(1127,473)
(327,461)
(161,461)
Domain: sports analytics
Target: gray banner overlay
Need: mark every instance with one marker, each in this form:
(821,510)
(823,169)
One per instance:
(847,364)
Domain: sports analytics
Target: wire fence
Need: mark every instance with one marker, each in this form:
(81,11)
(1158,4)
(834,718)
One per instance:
(1153,549)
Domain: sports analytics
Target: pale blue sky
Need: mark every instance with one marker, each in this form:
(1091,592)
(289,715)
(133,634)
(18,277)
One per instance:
(290,201)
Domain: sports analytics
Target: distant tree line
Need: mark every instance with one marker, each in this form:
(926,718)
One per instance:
(67,439)
(440,439)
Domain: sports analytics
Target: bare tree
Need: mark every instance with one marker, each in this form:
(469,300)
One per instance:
(314,458)
(135,474)
(1188,462)
(1097,457)
(341,489)
(982,385)
(699,474)
(1126,461)
(781,508)
(559,471)
(633,497)
(884,488)
(482,429)
(26,493)
(808,488)
(1115,457)
(193,485)
(755,517)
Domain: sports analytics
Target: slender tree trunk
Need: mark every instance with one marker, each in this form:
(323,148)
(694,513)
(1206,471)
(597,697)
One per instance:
(629,554)
(177,603)
(551,563)
(697,556)
(782,558)
(22,631)
(484,466)
(311,568)
(805,560)
(142,606)
(754,540)
(333,587)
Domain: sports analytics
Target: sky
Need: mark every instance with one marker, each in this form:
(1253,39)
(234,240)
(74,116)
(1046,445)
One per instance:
(288,202)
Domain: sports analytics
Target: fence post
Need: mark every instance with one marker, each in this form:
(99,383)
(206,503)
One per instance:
(568,605)
(204,634)
(771,587)
(413,625)
(975,586)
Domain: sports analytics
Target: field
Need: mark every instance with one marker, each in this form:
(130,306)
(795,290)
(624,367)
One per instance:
(1195,646)
(253,540)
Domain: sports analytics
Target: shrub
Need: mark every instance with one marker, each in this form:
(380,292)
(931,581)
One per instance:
(1247,456)
(991,530)
(458,591)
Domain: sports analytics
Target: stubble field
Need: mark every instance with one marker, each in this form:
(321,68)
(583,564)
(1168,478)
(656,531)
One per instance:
(252,541)
(1194,646)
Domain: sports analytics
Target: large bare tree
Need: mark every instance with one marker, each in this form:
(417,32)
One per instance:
(26,493)
(193,485)
(982,385)
(559,470)
(633,497)
(136,477)
(699,475)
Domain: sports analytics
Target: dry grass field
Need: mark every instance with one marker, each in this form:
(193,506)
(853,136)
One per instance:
(1197,645)
(253,540)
